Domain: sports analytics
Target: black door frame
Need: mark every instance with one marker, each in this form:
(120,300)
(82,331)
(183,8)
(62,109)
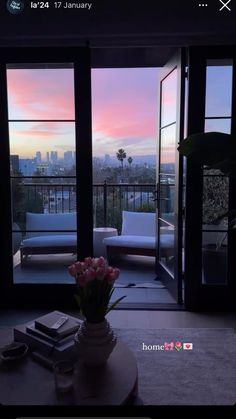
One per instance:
(53,295)
(200,296)
(174,284)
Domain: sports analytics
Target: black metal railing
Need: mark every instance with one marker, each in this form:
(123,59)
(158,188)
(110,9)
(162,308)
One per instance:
(109,199)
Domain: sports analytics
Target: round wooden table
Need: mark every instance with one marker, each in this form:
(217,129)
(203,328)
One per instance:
(29,383)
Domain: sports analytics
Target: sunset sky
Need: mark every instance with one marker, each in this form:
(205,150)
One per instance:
(124,109)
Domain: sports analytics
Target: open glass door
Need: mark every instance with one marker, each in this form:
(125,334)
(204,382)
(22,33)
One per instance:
(169,176)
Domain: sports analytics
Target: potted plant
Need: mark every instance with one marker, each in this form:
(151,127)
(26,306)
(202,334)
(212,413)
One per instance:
(95,339)
(214,151)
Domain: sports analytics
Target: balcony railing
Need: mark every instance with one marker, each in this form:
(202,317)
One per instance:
(109,200)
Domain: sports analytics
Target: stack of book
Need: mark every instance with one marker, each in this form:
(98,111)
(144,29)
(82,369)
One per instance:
(48,337)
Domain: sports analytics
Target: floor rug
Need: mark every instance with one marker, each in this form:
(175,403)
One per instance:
(203,375)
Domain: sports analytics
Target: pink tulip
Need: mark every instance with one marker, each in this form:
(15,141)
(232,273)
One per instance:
(72,270)
(116,273)
(100,273)
(95,263)
(109,270)
(101,262)
(90,274)
(88,262)
(79,267)
(81,280)
(110,278)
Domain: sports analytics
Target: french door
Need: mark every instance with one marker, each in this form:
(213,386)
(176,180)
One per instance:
(210,268)
(46,165)
(169,175)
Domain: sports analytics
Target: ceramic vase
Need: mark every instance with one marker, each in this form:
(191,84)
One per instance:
(95,342)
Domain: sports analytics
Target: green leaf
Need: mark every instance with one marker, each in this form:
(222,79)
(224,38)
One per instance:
(115,303)
(78,299)
(210,148)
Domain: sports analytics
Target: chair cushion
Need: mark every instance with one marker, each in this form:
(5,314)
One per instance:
(58,221)
(145,242)
(59,240)
(138,223)
(142,242)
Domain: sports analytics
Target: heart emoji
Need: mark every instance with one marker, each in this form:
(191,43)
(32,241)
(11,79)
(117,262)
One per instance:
(188,346)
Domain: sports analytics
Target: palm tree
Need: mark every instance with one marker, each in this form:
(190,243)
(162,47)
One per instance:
(121,155)
(130,160)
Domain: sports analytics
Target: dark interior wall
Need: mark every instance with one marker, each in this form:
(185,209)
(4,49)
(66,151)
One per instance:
(120,22)
(128,33)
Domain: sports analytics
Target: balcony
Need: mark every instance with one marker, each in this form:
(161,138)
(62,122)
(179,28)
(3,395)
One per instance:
(137,273)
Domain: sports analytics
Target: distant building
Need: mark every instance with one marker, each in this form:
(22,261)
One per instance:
(15,162)
(27,166)
(54,157)
(47,157)
(38,157)
(68,159)
(43,168)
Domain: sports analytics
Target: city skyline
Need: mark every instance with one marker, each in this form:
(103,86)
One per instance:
(123,110)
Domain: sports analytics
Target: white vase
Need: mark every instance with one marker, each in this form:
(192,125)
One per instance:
(95,342)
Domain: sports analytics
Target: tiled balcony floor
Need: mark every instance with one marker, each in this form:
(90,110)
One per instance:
(52,269)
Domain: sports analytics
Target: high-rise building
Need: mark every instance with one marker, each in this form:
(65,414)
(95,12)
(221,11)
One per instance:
(47,157)
(68,159)
(38,157)
(54,157)
(14,162)
(27,166)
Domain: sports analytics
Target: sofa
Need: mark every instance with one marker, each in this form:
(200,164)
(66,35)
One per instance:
(49,234)
(138,236)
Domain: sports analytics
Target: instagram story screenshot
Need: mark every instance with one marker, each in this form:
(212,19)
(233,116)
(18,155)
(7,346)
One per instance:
(117,208)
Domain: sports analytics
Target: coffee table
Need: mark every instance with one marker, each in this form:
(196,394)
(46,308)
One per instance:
(29,383)
(99,234)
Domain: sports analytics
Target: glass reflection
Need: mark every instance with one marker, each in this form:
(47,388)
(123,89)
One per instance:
(168,149)
(219,125)
(166,246)
(167,197)
(169,99)
(215,199)
(218,90)
(214,258)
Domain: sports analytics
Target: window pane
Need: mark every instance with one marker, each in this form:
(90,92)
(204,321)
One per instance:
(168,149)
(220,125)
(167,197)
(166,246)
(42,148)
(215,198)
(42,161)
(218,90)
(40,93)
(214,258)
(169,99)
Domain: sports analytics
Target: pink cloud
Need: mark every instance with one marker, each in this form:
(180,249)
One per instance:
(40,94)
(125,102)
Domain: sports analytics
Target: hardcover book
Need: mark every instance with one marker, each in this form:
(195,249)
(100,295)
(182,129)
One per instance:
(56,352)
(30,328)
(45,323)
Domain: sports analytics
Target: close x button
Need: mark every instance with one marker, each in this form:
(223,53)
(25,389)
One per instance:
(225,5)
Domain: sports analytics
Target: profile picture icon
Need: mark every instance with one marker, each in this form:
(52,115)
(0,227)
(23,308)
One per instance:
(15,6)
